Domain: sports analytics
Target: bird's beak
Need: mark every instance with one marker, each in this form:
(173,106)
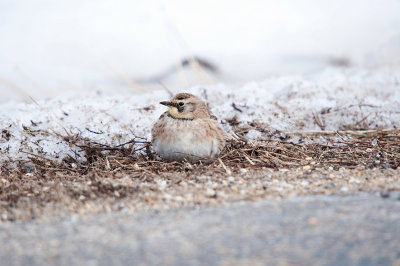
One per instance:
(169,104)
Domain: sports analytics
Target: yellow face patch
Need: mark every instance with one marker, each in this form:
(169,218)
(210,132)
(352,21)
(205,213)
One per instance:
(175,113)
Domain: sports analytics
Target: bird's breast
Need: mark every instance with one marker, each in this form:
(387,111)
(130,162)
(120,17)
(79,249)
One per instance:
(183,139)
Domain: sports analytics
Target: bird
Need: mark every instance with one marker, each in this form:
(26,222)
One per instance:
(187,131)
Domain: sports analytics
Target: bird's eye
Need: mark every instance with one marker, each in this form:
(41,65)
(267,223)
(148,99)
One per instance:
(180,103)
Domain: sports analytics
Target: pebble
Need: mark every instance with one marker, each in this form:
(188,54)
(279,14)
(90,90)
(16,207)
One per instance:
(179,198)
(243,170)
(304,183)
(312,221)
(384,194)
(167,196)
(188,166)
(211,193)
(162,184)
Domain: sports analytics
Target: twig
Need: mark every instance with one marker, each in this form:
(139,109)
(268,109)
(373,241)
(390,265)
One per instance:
(223,166)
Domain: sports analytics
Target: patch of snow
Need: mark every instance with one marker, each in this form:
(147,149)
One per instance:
(338,97)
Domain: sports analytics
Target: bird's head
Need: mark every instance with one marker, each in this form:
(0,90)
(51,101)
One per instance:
(186,106)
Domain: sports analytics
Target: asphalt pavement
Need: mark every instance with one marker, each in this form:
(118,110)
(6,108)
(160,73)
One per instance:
(362,229)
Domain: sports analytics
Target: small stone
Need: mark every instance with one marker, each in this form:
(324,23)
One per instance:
(374,142)
(202,178)
(307,168)
(243,170)
(179,198)
(309,158)
(162,184)
(81,197)
(211,193)
(384,194)
(167,196)
(304,183)
(231,179)
(344,189)
(353,180)
(368,150)
(312,221)
(188,166)
(136,167)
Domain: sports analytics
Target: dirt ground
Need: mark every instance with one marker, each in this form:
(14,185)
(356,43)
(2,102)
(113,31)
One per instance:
(41,196)
(113,179)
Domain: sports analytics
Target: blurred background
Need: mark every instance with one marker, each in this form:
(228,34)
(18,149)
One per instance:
(49,48)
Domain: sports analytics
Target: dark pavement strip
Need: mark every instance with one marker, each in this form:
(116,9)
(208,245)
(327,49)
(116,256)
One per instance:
(362,229)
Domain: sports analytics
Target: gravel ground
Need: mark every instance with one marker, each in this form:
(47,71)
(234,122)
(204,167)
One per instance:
(362,229)
(38,196)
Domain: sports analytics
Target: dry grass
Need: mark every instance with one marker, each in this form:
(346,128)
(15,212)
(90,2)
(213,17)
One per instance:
(373,148)
(129,176)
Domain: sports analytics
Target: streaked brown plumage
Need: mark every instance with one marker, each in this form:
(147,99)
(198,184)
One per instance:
(187,131)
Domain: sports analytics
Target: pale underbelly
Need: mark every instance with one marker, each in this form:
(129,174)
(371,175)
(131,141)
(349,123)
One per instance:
(183,147)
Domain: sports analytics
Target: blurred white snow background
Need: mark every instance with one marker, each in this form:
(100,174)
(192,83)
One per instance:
(96,66)
(52,47)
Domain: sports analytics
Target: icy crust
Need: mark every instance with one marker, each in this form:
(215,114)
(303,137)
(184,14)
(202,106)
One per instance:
(334,99)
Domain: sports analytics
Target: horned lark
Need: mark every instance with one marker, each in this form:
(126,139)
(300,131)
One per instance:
(187,131)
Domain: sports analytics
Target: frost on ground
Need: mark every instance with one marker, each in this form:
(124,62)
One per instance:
(334,99)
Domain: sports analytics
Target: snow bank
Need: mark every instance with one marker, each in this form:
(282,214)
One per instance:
(333,99)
